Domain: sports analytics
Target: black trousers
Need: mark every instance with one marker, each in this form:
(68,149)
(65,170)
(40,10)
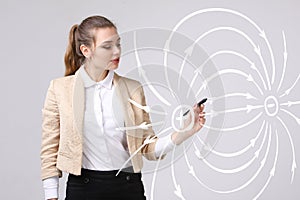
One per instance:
(105,185)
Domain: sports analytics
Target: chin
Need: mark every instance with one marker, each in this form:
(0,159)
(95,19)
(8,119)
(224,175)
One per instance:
(113,67)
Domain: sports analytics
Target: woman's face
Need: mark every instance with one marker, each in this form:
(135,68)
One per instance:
(105,53)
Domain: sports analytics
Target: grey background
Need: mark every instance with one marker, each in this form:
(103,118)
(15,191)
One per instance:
(33,40)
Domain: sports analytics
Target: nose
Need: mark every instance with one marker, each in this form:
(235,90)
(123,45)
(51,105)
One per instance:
(117,51)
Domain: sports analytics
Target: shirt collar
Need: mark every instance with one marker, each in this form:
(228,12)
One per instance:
(88,82)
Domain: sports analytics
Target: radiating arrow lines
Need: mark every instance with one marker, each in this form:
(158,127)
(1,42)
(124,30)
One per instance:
(261,33)
(143,73)
(289,90)
(248,108)
(256,47)
(155,173)
(147,109)
(235,94)
(292,115)
(143,125)
(272,171)
(294,166)
(192,171)
(240,152)
(229,171)
(238,169)
(290,103)
(252,65)
(227,71)
(188,52)
(234,128)
(262,164)
(177,191)
(285,55)
(148,140)
(257,152)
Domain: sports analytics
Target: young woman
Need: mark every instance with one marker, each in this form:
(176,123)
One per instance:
(80,133)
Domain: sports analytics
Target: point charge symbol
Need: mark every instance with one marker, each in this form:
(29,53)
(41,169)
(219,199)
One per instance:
(271,106)
(177,115)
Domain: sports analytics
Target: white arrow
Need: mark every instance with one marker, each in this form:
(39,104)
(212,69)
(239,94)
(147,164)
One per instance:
(247,95)
(228,71)
(147,109)
(251,179)
(240,152)
(261,32)
(252,65)
(155,172)
(213,10)
(272,171)
(287,92)
(258,52)
(192,171)
(177,191)
(285,55)
(233,128)
(263,35)
(294,166)
(256,48)
(229,171)
(188,52)
(238,169)
(143,74)
(166,50)
(290,103)
(148,140)
(263,142)
(143,126)
(291,114)
(248,108)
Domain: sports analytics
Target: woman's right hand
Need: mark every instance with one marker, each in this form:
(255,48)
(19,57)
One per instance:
(197,123)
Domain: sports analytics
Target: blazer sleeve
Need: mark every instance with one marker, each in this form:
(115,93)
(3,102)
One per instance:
(50,135)
(148,150)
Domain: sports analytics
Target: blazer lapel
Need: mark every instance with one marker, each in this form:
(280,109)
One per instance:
(78,102)
(123,94)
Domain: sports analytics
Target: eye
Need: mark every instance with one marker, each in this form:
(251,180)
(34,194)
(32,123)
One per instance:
(118,45)
(107,47)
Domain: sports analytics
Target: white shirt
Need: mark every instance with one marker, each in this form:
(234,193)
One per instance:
(104,146)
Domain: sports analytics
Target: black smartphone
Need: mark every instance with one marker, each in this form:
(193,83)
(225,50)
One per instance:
(198,104)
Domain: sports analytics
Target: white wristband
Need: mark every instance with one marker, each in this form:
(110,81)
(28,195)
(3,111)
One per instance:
(164,145)
(51,187)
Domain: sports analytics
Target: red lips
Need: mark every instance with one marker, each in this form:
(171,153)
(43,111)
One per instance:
(116,61)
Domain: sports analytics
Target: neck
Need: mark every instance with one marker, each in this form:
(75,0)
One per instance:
(96,74)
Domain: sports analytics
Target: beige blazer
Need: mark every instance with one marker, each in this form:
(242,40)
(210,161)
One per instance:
(62,126)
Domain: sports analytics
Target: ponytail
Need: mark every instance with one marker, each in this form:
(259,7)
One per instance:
(73,57)
(82,35)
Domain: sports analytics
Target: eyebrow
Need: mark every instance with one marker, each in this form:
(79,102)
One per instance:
(110,41)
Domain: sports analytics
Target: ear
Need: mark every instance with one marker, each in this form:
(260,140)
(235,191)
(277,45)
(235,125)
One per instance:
(85,51)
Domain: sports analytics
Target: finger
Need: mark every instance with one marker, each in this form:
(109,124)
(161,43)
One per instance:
(202,107)
(197,110)
(202,121)
(202,114)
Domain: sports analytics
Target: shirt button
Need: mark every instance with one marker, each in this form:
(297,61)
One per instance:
(128,178)
(86,180)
